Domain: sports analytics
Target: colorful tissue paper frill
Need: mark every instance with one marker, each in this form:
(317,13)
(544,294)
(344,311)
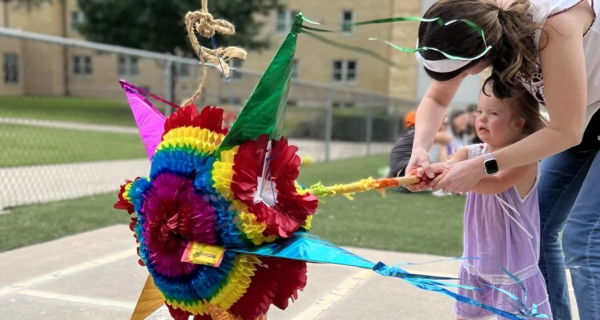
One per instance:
(230,236)
(200,140)
(210,118)
(187,292)
(137,192)
(174,215)
(289,210)
(222,172)
(275,282)
(182,117)
(250,226)
(180,161)
(238,281)
(124,202)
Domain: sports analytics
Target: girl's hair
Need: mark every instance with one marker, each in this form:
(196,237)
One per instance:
(509,31)
(527,107)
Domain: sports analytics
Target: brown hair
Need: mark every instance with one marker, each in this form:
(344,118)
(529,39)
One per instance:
(527,107)
(509,31)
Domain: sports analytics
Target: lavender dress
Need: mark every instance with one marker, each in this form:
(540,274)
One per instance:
(503,230)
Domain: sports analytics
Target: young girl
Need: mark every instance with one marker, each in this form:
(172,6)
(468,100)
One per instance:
(502,221)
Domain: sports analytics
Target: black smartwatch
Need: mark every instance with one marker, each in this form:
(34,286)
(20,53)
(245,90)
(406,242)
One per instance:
(490,164)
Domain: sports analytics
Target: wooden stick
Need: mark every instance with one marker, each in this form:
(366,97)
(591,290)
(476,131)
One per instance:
(366,185)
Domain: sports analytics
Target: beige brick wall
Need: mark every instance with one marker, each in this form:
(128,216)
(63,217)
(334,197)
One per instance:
(403,79)
(316,58)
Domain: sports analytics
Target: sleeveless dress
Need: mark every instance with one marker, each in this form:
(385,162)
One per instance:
(541,10)
(504,231)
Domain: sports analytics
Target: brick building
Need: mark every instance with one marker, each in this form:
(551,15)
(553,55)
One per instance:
(33,68)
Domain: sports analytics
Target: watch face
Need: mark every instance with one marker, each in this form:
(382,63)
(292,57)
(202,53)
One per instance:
(491,166)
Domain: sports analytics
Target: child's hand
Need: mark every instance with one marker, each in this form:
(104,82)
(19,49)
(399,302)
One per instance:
(422,185)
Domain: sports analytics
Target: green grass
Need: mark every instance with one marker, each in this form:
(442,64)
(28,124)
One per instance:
(84,110)
(28,145)
(28,225)
(401,222)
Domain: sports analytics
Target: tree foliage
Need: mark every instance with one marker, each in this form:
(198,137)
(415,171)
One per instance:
(158,25)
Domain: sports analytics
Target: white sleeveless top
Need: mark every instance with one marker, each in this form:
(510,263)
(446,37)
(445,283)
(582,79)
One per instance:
(543,9)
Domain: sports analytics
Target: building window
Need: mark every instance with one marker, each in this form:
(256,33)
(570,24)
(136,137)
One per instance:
(77,17)
(82,65)
(127,66)
(285,20)
(347,19)
(11,68)
(182,70)
(295,69)
(238,65)
(345,71)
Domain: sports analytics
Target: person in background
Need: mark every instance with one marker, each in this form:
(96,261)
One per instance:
(458,126)
(472,136)
(402,149)
(439,149)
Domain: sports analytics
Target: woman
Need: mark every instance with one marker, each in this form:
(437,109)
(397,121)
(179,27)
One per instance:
(551,48)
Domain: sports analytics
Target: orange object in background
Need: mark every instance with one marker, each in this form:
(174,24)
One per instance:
(410,118)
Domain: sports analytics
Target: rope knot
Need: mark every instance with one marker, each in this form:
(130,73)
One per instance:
(203,23)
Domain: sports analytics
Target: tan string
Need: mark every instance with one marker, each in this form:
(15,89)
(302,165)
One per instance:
(203,23)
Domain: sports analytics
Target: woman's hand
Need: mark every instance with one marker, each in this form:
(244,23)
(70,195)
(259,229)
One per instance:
(420,159)
(419,166)
(460,177)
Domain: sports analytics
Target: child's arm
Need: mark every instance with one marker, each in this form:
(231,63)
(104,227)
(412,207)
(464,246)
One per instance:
(504,180)
(440,168)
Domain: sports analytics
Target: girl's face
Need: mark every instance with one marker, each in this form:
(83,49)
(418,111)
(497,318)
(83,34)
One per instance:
(496,122)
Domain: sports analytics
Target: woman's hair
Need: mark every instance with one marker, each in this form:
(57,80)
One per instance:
(509,31)
(527,107)
(453,115)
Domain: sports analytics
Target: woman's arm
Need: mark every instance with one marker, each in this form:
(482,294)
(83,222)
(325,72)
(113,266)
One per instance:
(430,115)
(432,110)
(503,181)
(564,73)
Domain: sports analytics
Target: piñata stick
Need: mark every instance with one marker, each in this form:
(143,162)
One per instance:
(362,186)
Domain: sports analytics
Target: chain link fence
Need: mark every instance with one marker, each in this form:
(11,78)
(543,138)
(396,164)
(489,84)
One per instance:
(66,130)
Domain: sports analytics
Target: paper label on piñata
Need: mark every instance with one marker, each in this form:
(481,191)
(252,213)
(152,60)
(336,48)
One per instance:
(201,253)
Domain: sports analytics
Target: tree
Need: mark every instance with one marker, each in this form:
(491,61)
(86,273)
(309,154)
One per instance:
(29,4)
(158,25)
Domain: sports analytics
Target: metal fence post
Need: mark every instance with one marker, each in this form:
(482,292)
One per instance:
(328,124)
(369,123)
(168,72)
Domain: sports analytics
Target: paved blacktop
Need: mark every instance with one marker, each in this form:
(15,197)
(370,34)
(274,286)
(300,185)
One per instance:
(95,276)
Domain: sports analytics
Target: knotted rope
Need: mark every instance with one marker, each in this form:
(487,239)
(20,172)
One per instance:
(204,24)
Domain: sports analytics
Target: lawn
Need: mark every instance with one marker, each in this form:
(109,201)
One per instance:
(401,222)
(29,145)
(70,109)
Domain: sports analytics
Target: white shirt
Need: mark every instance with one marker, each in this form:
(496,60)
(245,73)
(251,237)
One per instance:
(543,9)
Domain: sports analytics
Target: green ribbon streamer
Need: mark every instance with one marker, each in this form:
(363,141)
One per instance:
(353,48)
(413,50)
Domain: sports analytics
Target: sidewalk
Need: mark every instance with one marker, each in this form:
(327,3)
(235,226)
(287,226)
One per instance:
(95,276)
